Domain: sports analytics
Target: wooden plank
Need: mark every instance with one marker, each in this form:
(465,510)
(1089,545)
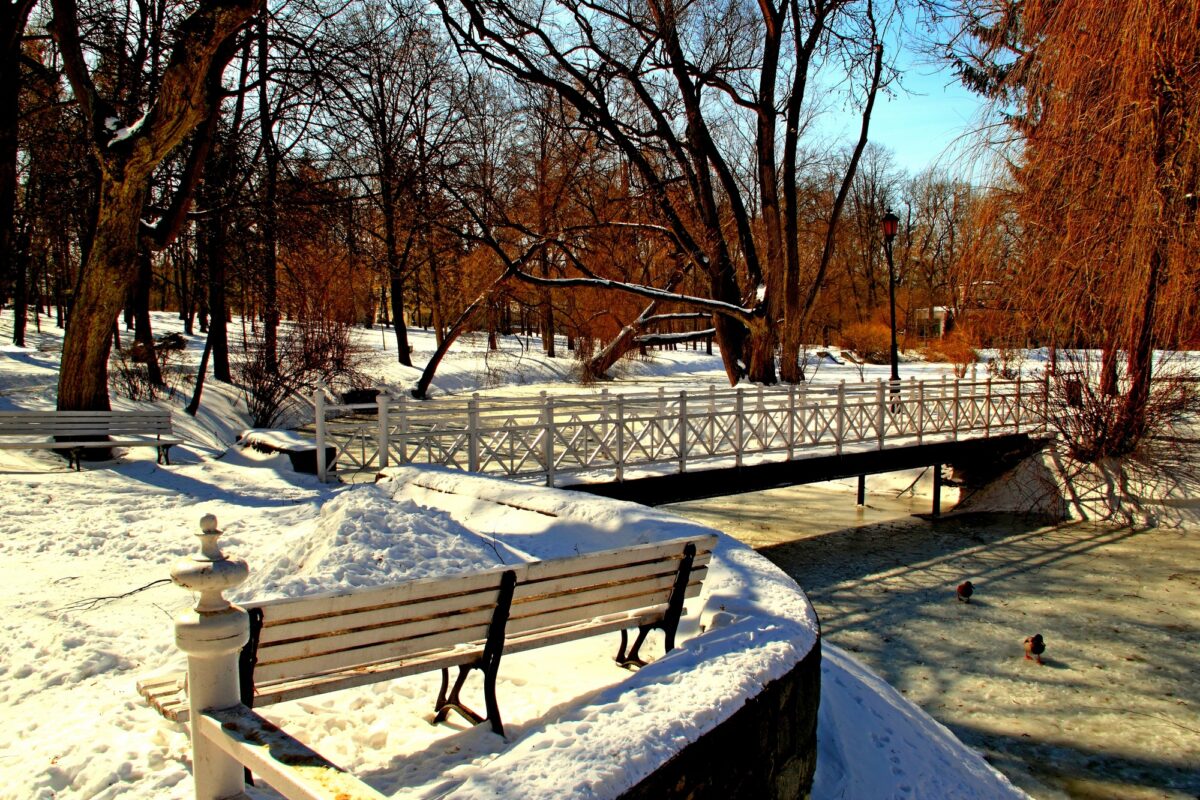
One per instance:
(295,609)
(604,559)
(165,694)
(618,574)
(295,688)
(387,651)
(51,445)
(287,764)
(576,615)
(470,621)
(422,617)
(635,588)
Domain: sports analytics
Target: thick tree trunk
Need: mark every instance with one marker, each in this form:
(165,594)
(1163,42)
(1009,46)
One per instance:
(110,268)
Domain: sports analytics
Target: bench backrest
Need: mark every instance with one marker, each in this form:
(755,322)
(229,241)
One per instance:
(34,424)
(308,636)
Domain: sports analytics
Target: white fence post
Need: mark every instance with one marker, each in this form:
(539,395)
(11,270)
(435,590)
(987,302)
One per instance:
(739,426)
(1017,407)
(791,422)
(880,412)
(683,431)
(987,410)
(404,427)
(548,417)
(920,411)
(212,634)
(473,433)
(620,437)
(841,416)
(319,418)
(382,401)
(957,406)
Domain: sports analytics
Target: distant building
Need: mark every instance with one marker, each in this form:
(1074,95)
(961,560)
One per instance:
(932,323)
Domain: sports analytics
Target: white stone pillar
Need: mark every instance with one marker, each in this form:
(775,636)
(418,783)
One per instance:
(212,634)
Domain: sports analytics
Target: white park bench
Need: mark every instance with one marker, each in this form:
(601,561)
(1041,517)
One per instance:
(73,432)
(299,647)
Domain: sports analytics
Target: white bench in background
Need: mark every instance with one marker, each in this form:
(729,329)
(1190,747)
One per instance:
(298,647)
(76,431)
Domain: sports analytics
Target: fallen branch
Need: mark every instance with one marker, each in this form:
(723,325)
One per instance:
(91,603)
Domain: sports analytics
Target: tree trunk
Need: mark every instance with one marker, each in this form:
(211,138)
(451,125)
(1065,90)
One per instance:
(1131,423)
(143,334)
(194,405)
(110,268)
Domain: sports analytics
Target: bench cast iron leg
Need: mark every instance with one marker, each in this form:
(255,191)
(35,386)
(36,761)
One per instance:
(451,702)
(669,624)
(488,664)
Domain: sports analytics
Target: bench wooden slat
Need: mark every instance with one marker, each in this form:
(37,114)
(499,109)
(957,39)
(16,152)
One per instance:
(629,594)
(367,655)
(525,592)
(466,603)
(549,619)
(468,623)
(287,764)
(298,609)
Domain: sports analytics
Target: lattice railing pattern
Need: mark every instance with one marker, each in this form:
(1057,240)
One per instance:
(607,434)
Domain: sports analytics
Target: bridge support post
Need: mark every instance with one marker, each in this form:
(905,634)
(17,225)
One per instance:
(862,490)
(937,490)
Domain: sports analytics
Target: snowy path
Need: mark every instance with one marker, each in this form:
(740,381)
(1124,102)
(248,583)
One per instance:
(1114,713)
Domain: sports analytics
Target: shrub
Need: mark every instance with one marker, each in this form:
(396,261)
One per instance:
(308,353)
(871,340)
(954,348)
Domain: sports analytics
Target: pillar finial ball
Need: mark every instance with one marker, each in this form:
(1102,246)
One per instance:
(208,523)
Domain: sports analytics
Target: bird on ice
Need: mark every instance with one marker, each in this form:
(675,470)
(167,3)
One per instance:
(965,590)
(1034,647)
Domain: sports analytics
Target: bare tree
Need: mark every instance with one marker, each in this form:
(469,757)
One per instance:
(128,151)
(660,84)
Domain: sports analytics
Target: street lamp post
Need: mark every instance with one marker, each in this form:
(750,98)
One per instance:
(891,224)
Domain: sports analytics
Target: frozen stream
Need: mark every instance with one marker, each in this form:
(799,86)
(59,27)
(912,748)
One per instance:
(1115,710)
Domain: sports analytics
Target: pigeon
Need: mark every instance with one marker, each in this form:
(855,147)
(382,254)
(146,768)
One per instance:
(1034,647)
(965,590)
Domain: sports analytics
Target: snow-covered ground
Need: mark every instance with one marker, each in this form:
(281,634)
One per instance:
(83,617)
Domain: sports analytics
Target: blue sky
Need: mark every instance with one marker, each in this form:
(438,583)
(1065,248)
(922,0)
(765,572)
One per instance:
(930,122)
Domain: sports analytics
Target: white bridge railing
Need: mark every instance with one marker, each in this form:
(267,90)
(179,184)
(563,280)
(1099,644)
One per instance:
(604,435)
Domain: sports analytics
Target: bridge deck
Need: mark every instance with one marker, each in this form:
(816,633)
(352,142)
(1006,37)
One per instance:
(657,490)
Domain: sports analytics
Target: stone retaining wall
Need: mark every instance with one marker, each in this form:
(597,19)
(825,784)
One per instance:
(766,751)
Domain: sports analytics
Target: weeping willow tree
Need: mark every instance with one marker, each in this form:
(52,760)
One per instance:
(1103,100)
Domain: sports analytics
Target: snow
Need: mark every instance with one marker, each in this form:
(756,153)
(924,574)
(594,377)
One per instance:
(83,617)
